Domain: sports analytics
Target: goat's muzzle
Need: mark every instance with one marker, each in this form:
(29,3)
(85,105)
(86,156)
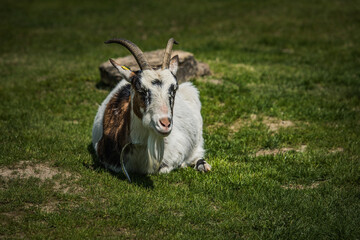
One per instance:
(164,126)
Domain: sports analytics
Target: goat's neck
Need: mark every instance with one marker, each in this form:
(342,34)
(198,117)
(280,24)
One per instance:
(152,143)
(138,133)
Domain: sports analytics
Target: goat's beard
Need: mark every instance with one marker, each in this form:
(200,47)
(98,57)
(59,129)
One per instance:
(155,151)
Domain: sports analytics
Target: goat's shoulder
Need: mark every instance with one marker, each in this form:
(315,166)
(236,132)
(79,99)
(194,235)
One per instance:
(117,110)
(190,94)
(98,127)
(116,125)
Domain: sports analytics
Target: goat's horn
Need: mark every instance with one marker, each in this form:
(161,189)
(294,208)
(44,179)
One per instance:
(167,54)
(135,51)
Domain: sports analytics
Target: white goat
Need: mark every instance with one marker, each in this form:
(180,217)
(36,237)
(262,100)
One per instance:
(148,111)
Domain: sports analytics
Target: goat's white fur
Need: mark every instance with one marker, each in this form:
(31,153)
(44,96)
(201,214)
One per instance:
(184,145)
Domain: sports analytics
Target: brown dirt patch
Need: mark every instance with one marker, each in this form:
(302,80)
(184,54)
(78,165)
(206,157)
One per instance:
(14,215)
(47,207)
(237,125)
(302,187)
(213,127)
(274,124)
(42,171)
(245,66)
(64,188)
(240,122)
(121,231)
(336,150)
(27,169)
(265,152)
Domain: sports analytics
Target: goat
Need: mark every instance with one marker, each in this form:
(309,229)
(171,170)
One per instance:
(148,110)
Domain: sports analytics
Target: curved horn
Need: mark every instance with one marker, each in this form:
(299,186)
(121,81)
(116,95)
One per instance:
(135,51)
(167,54)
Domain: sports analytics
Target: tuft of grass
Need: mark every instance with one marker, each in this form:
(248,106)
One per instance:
(272,62)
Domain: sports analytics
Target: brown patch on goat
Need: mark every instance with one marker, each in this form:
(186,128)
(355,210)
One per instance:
(116,127)
(137,104)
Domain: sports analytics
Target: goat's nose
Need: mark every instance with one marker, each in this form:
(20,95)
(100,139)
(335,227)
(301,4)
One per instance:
(165,122)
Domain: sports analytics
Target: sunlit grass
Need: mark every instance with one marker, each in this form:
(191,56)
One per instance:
(273,63)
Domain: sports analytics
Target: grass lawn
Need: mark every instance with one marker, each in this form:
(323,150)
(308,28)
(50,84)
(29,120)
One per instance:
(281,121)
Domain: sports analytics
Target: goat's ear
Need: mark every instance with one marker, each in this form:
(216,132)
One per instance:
(174,64)
(124,71)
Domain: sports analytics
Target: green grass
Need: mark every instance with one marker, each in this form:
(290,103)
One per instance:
(287,60)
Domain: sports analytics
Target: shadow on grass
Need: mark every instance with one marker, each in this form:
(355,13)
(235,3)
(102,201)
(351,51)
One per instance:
(137,179)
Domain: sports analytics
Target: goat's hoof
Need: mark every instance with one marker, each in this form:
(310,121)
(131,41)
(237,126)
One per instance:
(202,166)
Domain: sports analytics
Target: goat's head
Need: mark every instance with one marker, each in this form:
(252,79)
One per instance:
(153,90)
